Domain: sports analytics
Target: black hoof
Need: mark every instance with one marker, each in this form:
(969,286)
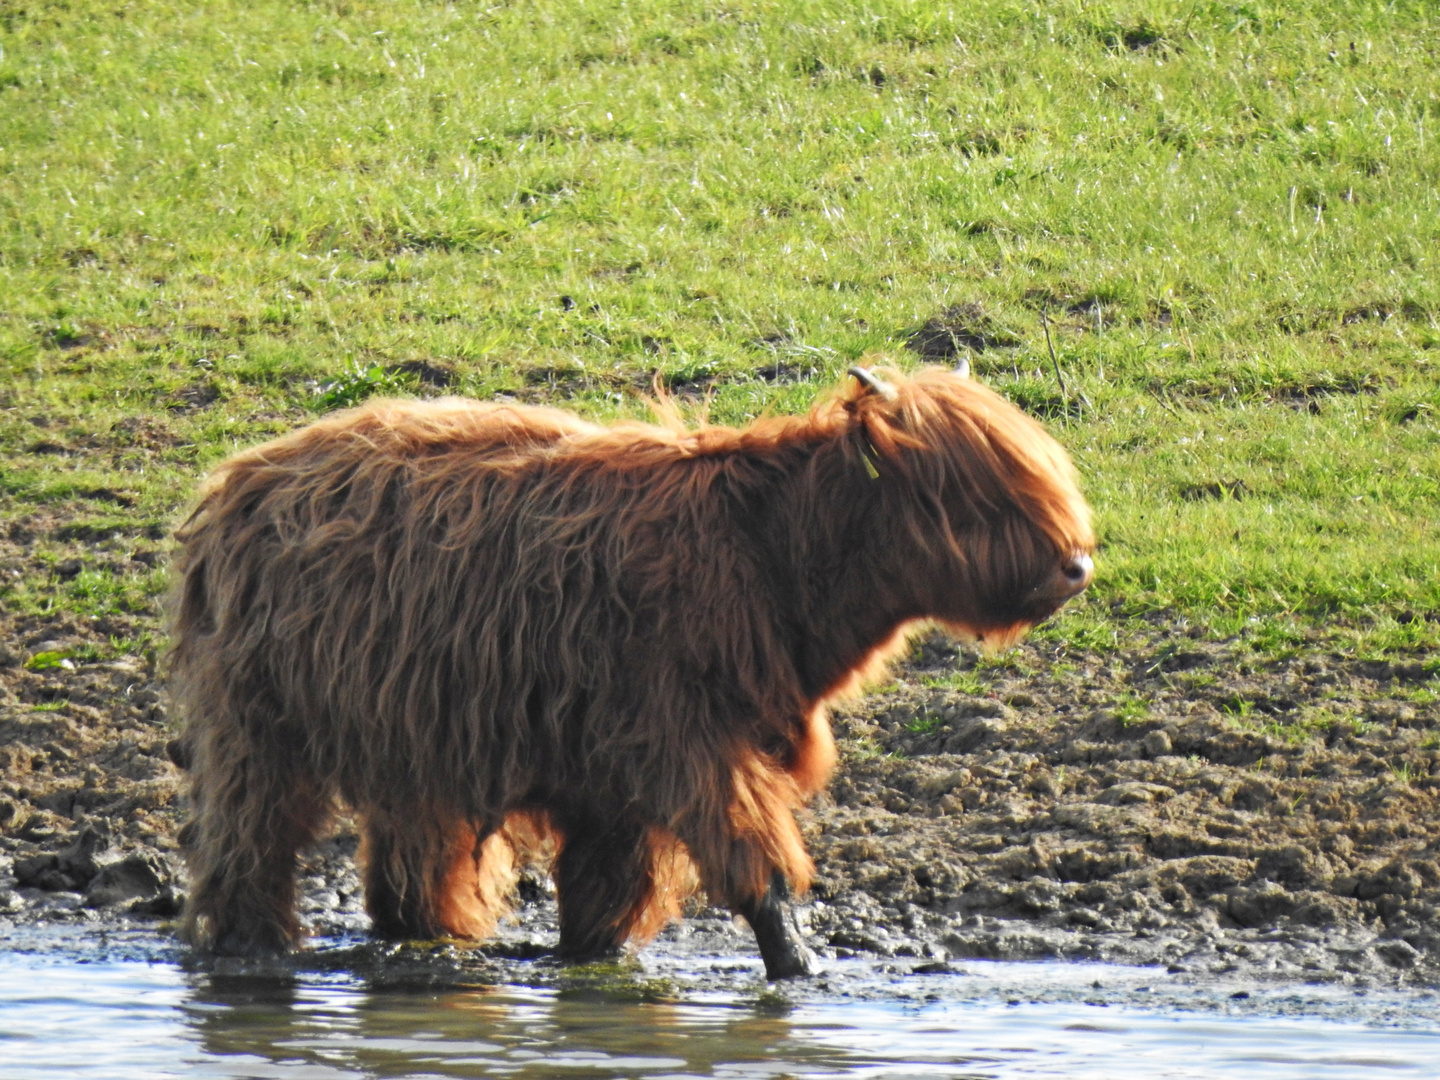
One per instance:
(777,932)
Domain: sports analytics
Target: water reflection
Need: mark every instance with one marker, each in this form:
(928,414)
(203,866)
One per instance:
(340,1030)
(621,1025)
(81,1015)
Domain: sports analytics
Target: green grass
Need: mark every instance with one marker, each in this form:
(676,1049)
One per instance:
(1131,710)
(216,220)
(923,723)
(961,680)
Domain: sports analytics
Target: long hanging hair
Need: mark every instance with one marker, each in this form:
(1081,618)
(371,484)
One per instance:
(474,623)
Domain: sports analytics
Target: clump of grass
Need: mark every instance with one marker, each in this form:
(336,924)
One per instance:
(866,749)
(358,382)
(49,660)
(924,723)
(1421,695)
(963,681)
(1238,708)
(1131,710)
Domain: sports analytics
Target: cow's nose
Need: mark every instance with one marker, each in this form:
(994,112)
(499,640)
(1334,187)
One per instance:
(1076,572)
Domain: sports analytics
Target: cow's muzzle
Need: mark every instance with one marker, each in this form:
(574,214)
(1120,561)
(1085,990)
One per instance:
(1074,576)
(1070,579)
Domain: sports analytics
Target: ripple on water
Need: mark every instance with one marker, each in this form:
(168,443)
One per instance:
(119,1019)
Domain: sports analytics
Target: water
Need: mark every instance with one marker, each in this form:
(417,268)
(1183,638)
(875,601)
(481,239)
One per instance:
(129,1007)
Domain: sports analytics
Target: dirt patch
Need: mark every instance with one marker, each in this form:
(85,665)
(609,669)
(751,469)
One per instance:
(430,374)
(959,328)
(1297,390)
(1214,489)
(1177,802)
(1171,796)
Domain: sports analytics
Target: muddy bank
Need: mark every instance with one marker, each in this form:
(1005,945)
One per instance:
(1175,802)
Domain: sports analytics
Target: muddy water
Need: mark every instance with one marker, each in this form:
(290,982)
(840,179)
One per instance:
(128,1005)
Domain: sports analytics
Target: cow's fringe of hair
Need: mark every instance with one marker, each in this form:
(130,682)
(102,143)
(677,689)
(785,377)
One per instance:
(488,627)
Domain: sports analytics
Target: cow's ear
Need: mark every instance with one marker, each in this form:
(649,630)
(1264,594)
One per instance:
(963,367)
(874,383)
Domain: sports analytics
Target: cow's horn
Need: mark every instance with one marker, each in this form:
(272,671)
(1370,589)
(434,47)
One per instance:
(874,383)
(963,367)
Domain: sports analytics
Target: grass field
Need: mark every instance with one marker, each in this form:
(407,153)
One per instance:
(218,220)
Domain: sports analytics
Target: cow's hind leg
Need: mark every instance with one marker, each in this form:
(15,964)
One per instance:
(254,811)
(434,878)
(616,880)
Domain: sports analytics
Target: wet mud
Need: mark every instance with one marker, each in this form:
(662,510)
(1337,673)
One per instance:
(1193,804)
(1276,817)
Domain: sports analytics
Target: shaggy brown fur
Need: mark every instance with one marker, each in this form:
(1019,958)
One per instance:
(472,621)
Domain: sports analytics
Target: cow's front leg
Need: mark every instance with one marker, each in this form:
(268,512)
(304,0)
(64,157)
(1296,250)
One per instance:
(777,932)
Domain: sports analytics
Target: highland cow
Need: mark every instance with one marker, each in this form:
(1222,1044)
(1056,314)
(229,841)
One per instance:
(467,622)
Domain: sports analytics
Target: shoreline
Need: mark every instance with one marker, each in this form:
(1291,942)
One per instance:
(1021,808)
